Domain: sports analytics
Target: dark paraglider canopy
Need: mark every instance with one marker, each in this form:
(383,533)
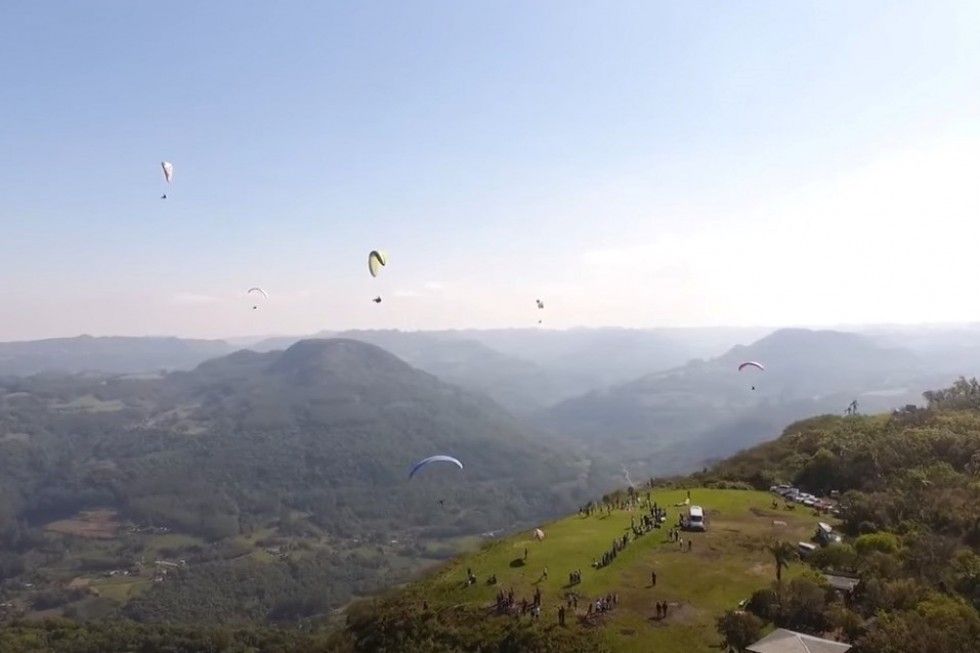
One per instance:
(376,300)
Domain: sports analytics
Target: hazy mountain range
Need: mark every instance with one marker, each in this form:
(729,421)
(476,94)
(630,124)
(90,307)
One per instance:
(656,400)
(674,420)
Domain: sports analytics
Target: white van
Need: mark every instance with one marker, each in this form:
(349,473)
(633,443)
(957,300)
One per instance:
(695,519)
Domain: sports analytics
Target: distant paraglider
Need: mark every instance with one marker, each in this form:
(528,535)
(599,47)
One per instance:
(168,175)
(377,259)
(257,292)
(433,459)
(540,305)
(752,364)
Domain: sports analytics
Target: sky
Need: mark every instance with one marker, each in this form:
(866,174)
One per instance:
(639,164)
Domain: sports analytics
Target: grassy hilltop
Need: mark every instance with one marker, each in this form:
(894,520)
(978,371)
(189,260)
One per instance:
(910,513)
(724,566)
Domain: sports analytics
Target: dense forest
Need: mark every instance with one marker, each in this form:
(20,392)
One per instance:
(258,487)
(910,506)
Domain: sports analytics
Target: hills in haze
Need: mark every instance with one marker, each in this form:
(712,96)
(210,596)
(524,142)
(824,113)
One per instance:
(527,370)
(244,451)
(674,420)
(114,355)
(654,401)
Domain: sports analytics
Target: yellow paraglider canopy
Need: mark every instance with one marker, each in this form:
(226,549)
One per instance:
(377,259)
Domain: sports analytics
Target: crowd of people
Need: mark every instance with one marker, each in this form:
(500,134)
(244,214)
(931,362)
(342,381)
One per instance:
(507,604)
(647,523)
(651,517)
(602,605)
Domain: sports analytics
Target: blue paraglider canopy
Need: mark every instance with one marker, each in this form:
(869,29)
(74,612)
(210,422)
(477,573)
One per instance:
(434,459)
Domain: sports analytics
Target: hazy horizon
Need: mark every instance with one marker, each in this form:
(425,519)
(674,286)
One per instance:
(234,337)
(656,165)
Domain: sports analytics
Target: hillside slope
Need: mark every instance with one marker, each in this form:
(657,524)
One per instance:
(307,447)
(909,484)
(674,420)
(724,566)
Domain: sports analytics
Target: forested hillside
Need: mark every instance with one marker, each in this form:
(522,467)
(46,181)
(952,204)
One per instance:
(910,506)
(279,478)
(672,421)
(909,496)
(907,485)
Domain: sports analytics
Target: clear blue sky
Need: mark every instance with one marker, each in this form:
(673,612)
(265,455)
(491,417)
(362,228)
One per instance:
(638,164)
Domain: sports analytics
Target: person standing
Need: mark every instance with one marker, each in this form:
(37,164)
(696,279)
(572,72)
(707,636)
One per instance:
(653,579)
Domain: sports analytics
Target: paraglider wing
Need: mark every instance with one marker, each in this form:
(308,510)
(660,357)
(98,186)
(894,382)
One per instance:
(538,534)
(539,303)
(256,289)
(754,364)
(168,171)
(433,459)
(377,259)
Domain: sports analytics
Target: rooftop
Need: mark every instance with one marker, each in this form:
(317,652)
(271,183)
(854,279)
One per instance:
(788,641)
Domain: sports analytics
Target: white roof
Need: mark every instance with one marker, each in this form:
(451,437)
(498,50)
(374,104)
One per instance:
(788,641)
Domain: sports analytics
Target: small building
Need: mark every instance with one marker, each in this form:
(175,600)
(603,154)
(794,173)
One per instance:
(789,641)
(843,584)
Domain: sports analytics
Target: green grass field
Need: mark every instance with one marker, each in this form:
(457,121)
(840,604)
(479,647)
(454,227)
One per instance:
(726,564)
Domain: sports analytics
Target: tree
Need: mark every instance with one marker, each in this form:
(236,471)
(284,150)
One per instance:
(838,557)
(802,604)
(962,395)
(937,624)
(783,554)
(739,628)
(881,542)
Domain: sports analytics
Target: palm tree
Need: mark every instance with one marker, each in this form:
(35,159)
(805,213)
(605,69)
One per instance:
(783,553)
